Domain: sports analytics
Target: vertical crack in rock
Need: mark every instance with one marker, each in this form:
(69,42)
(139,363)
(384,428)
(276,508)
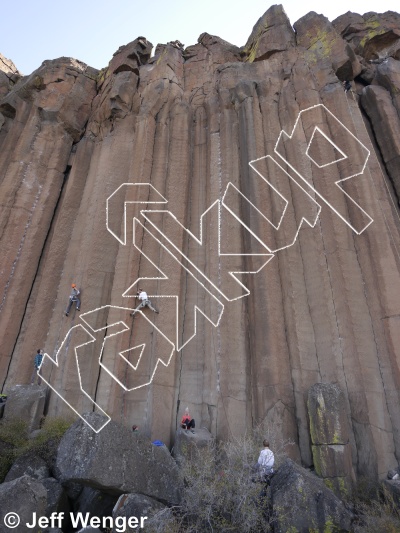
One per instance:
(218,355)
(301,422)
(366,296)
(388,175)
(21,244)
(49,231)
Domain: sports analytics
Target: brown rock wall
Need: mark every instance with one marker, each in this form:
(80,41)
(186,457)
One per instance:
(372,35)
(188,122)
(272,33)
(9,75)
(33,175)
(315,33)
(378,104)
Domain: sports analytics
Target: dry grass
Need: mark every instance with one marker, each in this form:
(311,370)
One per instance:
(16,442)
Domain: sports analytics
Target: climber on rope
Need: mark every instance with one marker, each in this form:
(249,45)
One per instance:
(144,301)
(346,86)
(36,366)
(73,297)
(187,421)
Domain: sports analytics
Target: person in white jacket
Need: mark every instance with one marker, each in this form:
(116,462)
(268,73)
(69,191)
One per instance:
(266,460)
(144,302)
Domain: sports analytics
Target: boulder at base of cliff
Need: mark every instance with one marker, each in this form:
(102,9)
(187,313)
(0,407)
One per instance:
(394,473)
(95,503)
(25,402)
(28,465)
(117,461)
(136,505)
(303,503)
(23,496)
(57,499)
(73,490)
(327,411)
(187,443)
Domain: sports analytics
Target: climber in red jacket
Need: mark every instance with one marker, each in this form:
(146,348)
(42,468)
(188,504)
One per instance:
(187,421)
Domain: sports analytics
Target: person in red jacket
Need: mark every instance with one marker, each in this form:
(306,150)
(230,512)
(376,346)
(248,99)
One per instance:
(187,421)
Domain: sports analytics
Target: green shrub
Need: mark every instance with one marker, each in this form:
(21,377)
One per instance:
(45,444)
(13,437)
(52,429)
(219,492)
(16,442)
(14,432)
(376,511)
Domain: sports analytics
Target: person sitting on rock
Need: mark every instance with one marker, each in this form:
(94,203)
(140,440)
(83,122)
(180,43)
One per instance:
(266,462)
(37,362)
(187,421)
(73,297)
(144,301)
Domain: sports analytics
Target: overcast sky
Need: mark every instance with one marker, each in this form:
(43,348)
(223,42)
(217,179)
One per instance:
(92,30)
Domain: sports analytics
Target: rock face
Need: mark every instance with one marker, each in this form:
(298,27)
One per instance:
(330,437)
(83,152)
(95,503)
(303,503)
(384,113)
(57,500)
(372,36)
(316,34)
(116,461)
(9,75)
(25,403)
(23,496)
(28,465)
(272,33)
(186,443)
(136,505)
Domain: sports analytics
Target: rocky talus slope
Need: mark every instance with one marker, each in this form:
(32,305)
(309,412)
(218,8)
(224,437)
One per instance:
(183,125)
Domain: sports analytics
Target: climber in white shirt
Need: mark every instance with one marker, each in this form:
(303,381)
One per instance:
(144,301)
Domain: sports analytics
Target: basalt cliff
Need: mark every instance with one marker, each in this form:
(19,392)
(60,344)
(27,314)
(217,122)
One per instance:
(251,196)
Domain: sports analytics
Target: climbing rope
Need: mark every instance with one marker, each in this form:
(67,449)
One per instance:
(219,390)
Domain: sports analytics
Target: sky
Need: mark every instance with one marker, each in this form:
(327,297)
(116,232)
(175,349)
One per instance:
(92,30)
